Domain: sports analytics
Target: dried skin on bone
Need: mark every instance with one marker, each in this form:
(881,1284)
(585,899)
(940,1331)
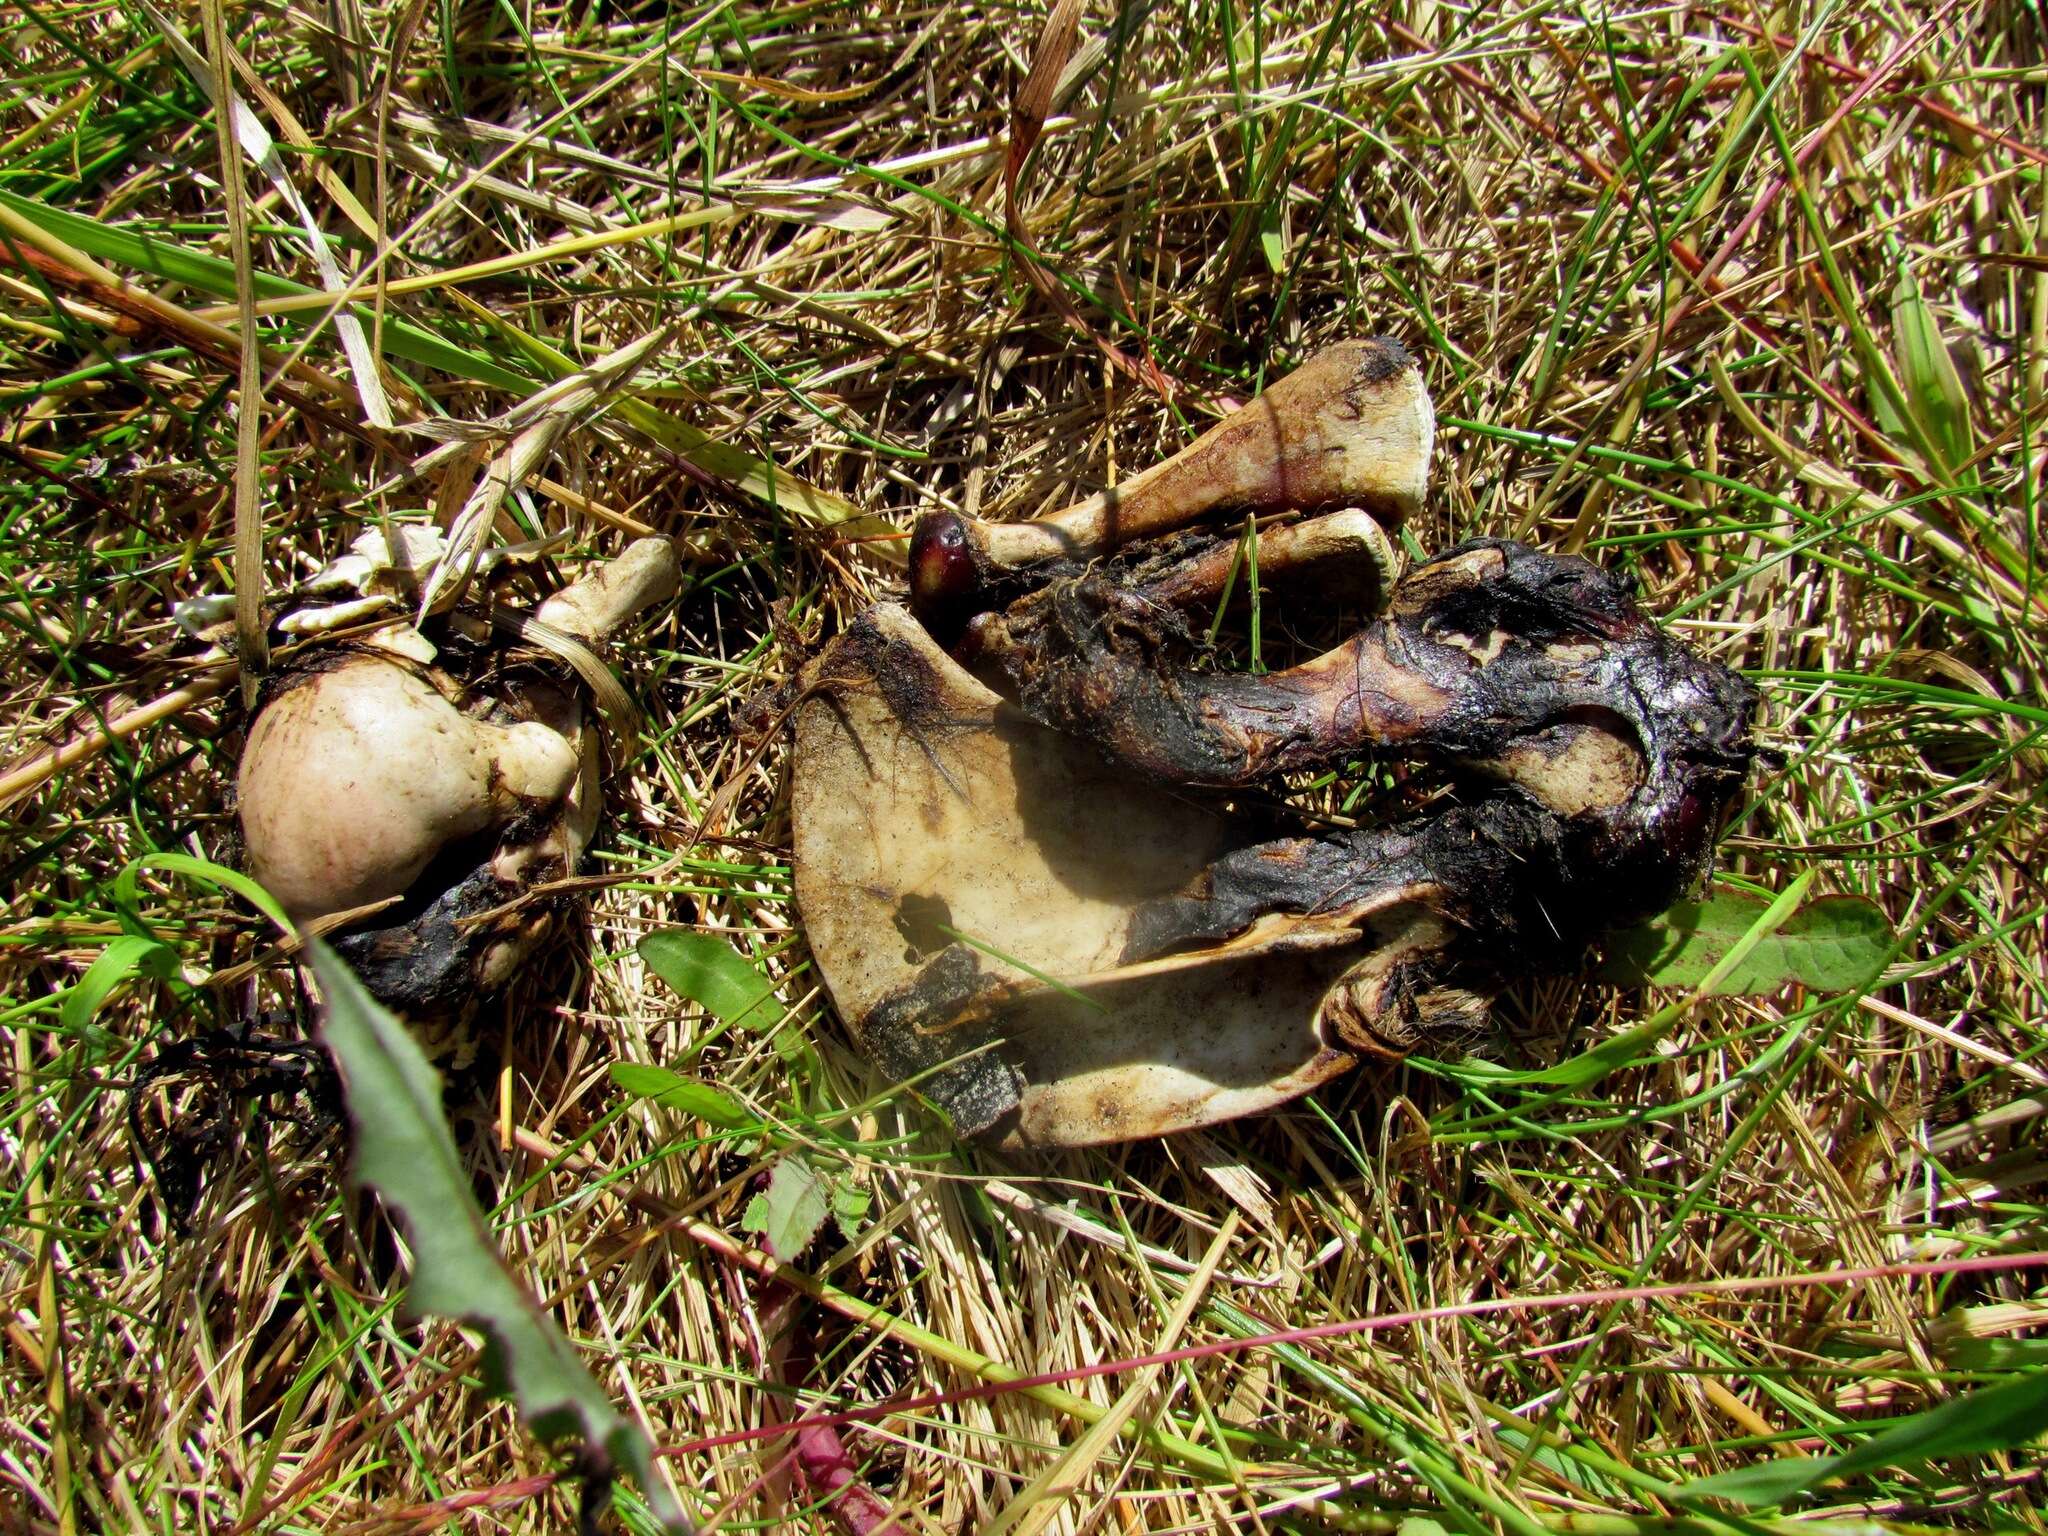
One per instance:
(1536,670)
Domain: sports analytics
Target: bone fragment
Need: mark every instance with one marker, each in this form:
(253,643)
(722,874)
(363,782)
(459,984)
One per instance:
(606,599)
(1345,549)
(355,779)
(1351,427)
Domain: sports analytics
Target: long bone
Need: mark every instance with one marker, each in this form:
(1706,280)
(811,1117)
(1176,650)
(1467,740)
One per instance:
(1351,427)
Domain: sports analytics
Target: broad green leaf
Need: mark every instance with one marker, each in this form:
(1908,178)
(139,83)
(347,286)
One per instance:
(1834,944)
(686,1096)
(1995,1354)
(2001,1418)
(708,970)
(403,1151)
(1933,389)
(127,955)
(791,1211)
(172,262)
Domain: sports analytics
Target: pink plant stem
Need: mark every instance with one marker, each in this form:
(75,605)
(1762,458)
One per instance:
(1735,1286)
(1850,70)
(786,1353)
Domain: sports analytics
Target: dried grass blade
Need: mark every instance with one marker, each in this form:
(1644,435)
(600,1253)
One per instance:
(255,142)
(1042,1498)
(252,645)
(1034,99)
(1028,113)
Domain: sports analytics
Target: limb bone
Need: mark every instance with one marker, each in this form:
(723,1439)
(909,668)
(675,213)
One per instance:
(1351,427)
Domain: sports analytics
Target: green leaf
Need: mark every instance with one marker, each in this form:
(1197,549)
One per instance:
(1933,389)
(1273,236)
(1834,944)
(849,1208)
(171,262)
(1611,1055)
(128,889)
(127,955)
(709,971)
(1996,1354)
(2001,1418)
(404,1151)
(1766,1484)
(790,1213)
(686,1096)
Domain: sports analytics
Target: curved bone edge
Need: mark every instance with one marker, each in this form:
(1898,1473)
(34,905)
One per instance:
(1495,658)
(1451,905)
(920,799)
(1348,548)
(603,601)
(1352,426)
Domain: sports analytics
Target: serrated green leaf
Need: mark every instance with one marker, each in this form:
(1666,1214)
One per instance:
(684,1095)
(127,955)
(403,1150)
(1990,1419)
(1834,944)
(791,1211)
(709,971)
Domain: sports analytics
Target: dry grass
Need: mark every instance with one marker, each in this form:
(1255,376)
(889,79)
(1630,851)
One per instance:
(1644,343)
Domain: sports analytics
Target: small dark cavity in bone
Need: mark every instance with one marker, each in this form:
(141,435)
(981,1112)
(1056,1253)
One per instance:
(977,1091)
(923,921)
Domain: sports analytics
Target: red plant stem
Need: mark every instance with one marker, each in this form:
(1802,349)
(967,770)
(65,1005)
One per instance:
(1681,251)
(1768,198)
(1734,1286)
(1849,70)
(787,1351)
